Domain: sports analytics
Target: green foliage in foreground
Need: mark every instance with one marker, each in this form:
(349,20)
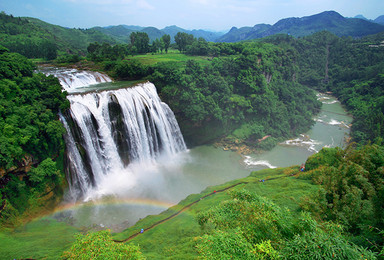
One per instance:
(99,245)
(251,227)
(352,191)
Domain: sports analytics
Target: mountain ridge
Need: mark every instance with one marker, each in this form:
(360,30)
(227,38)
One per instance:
(122,35)
(303,26)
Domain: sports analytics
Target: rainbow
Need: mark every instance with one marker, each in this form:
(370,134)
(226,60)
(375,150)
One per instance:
(114,201)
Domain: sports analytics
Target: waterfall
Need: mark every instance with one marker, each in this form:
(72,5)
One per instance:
(110,130)
(71,79)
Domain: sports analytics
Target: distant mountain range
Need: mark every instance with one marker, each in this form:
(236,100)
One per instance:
(76,40)
(379,20)
(298,27)
(121,32)
(330,21)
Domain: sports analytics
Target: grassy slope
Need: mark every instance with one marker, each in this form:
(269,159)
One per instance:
(172,55)
(40,239)
(174,239)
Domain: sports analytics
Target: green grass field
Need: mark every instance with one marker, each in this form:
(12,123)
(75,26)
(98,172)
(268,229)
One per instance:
(40,239)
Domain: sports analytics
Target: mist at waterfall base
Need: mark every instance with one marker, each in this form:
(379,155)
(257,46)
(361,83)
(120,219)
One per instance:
(122,193)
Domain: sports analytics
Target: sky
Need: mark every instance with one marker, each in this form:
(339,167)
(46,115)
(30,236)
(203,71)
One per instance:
(217,15)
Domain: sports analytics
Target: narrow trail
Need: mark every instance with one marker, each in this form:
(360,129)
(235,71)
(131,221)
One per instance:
(191,204)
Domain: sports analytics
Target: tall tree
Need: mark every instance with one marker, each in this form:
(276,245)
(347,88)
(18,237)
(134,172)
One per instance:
(140,40)
(167,41)
(182,40)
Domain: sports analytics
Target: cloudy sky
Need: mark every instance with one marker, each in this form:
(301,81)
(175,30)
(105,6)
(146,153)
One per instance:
(188,14)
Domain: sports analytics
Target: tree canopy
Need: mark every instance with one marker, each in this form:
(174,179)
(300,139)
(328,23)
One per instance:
(29,104)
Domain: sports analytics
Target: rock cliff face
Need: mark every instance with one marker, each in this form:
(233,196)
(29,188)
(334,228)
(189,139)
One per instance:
(23,166)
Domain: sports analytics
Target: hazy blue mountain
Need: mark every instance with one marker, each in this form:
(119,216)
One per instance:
(153,33)
(121,32)
(330,21)
(134,27)
(380,20)
(236,34)
(173,30)
(360,16)
(208,35)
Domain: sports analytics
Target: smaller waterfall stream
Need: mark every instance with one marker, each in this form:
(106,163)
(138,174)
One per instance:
(72,79)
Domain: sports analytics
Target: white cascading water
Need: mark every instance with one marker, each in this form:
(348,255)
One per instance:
(73,79)
(110,131)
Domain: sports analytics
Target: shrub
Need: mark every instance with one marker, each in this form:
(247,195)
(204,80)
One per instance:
(99,245)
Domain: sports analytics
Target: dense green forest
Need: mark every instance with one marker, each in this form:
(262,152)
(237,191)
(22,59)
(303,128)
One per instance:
(248,95)
(30,133)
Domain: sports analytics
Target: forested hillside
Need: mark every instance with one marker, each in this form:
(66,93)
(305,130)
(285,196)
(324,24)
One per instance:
(36,39)
(31,134)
